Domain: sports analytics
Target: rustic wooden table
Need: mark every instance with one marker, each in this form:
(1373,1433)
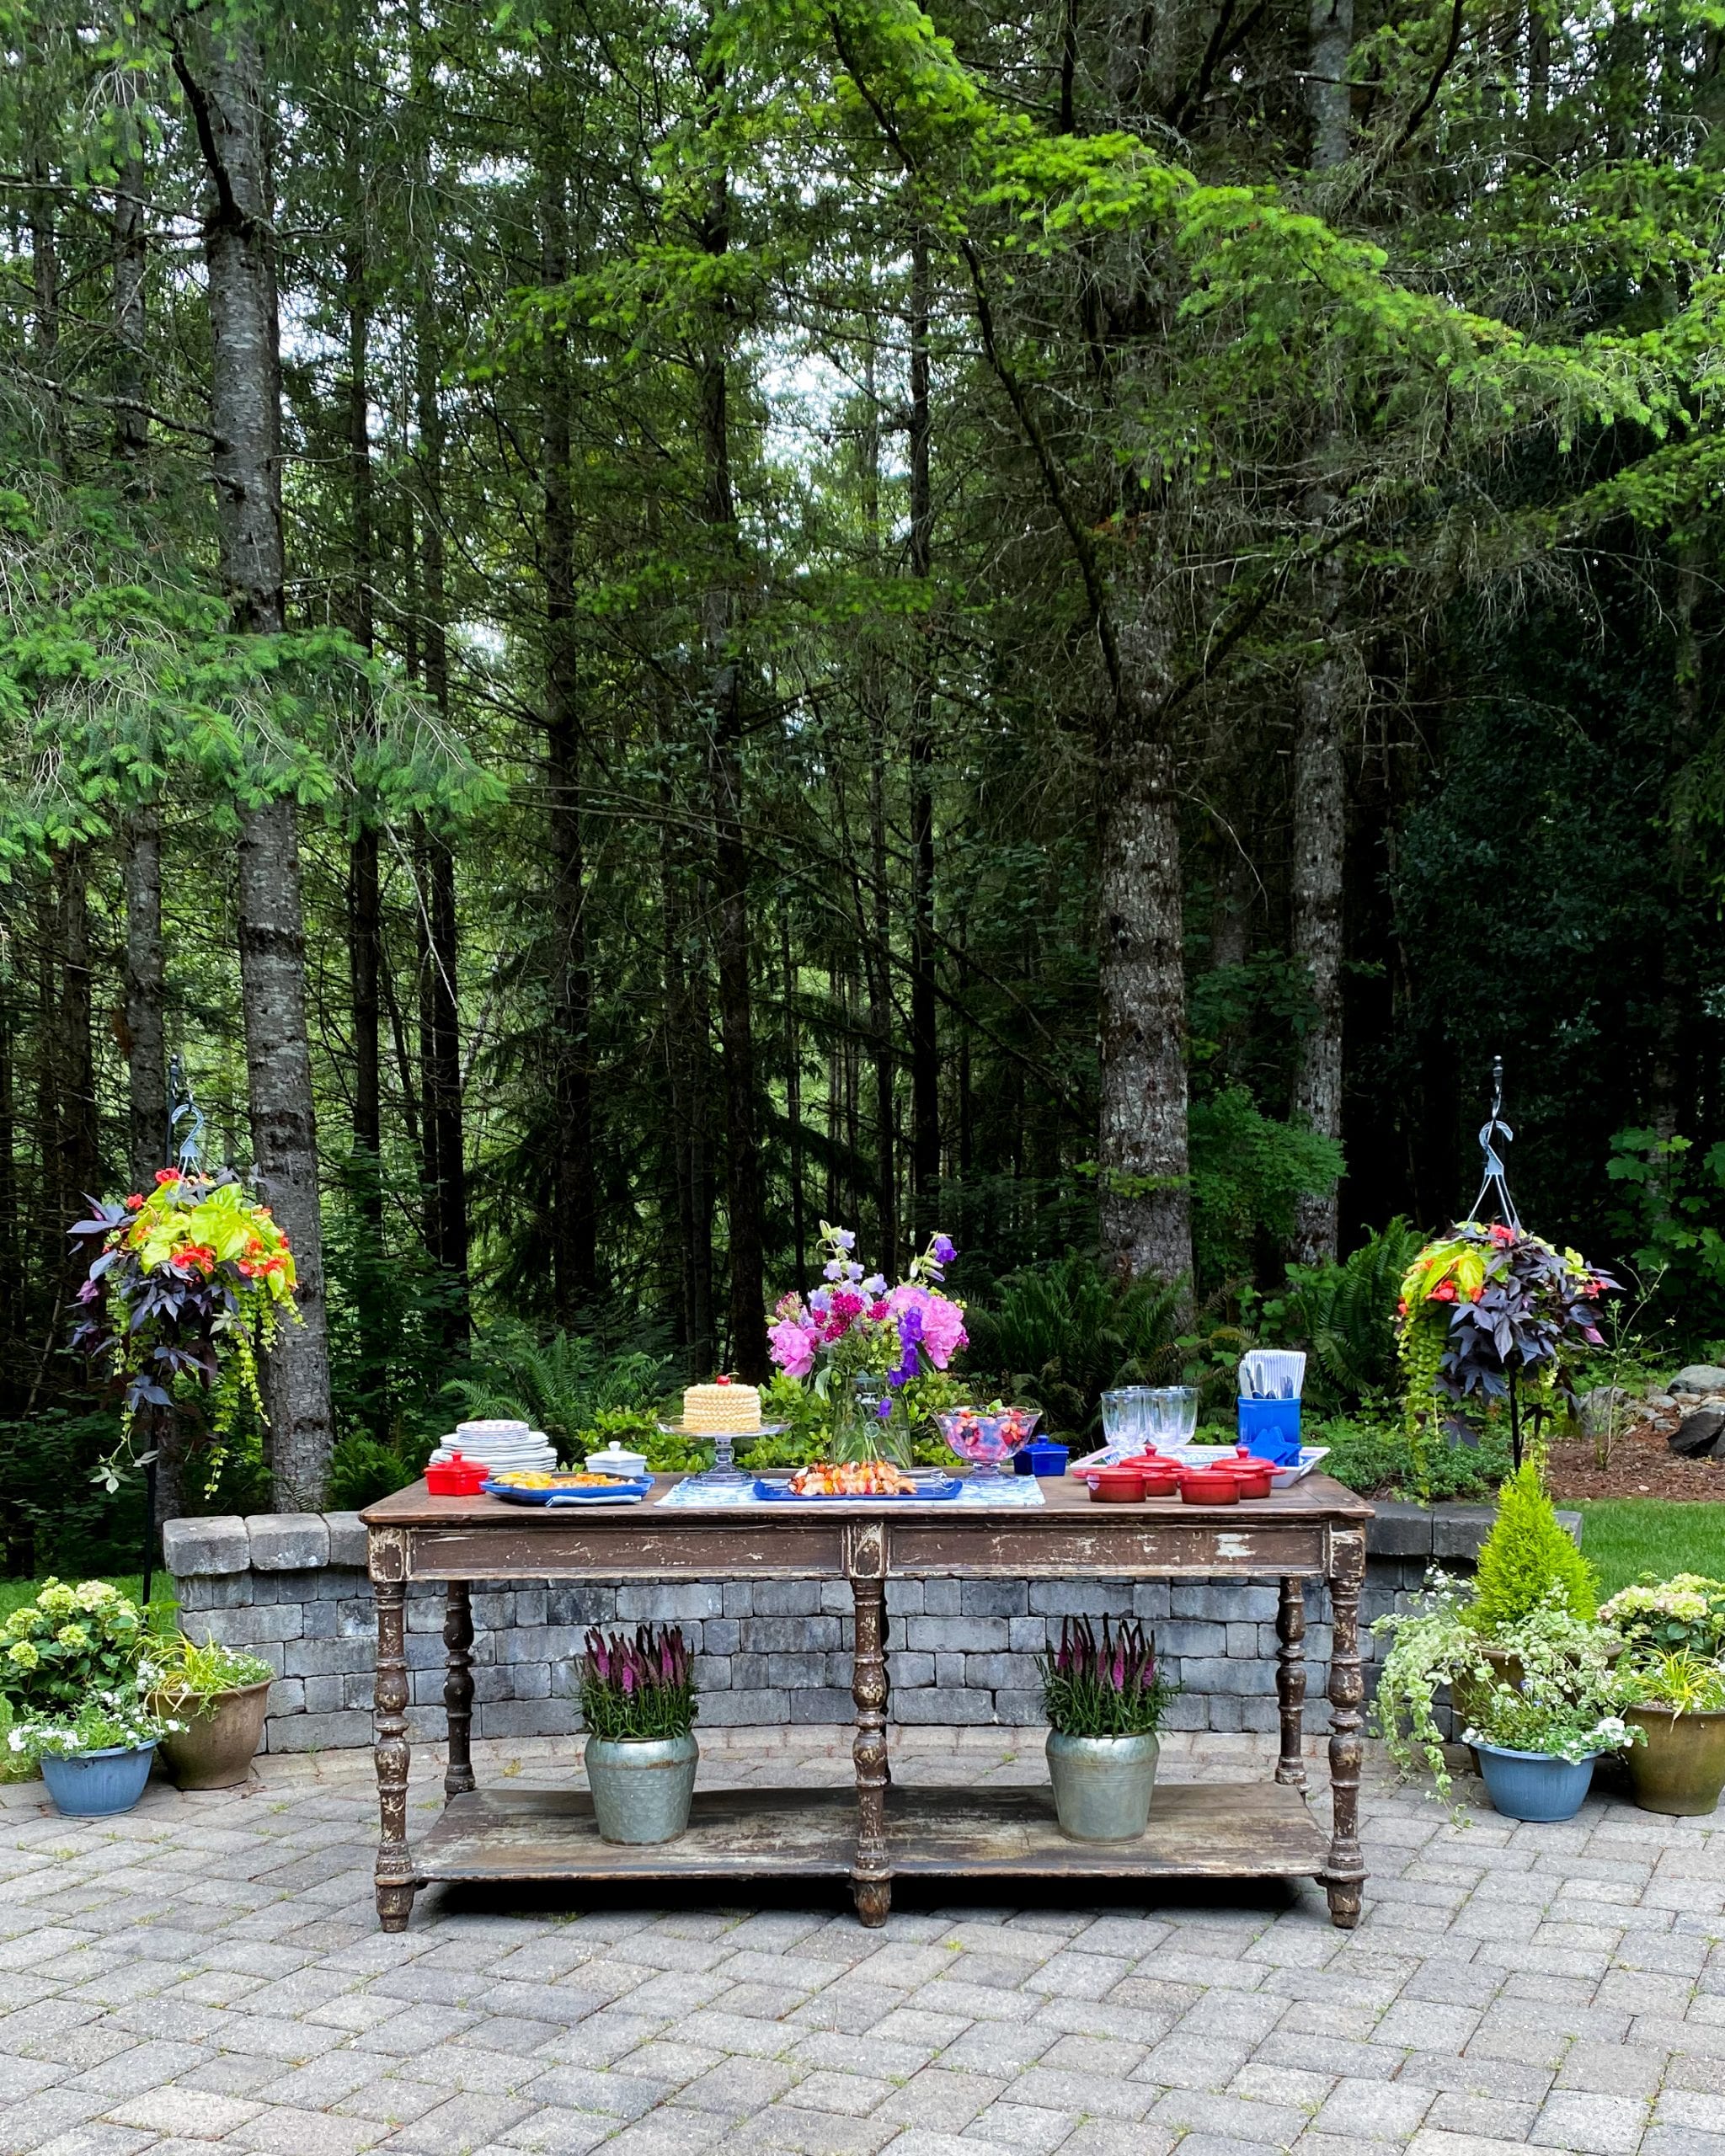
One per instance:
(1314,1531)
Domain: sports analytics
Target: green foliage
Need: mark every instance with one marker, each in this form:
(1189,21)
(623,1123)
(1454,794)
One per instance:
(1373,1454)
(1527,1559)
(102,1721)
(188,1675)
(1571,1722)
(1065,1334)
(364,1470)
(54,1518)
(1343,1315)
(67,1643)
(1672,1216)
(559,1384)
(1248,1172)
(1685,1681)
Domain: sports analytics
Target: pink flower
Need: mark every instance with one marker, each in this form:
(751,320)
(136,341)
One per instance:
(943,1333)
(792,1346)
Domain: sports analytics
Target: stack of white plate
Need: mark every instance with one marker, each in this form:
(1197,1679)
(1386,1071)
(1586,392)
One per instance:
(504,1447)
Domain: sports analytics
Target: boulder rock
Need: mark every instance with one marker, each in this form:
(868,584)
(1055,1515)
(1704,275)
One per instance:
(1699,1377)
(1696,1437)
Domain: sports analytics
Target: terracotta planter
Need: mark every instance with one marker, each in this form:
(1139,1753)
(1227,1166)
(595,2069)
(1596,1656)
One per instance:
(1680,1769)
(214,1750)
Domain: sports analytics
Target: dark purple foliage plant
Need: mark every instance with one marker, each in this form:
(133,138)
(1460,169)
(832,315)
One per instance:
(640,1689)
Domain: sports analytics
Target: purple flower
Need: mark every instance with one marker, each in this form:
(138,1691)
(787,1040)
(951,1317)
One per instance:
(834,1269)
(884,1411)
(844,1238)
(945,1251)
(875,1284)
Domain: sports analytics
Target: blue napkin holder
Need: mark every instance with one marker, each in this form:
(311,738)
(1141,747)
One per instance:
(1270,1429)
(1042,1456)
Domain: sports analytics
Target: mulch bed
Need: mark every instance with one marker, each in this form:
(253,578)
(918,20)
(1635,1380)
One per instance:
(1641,1466)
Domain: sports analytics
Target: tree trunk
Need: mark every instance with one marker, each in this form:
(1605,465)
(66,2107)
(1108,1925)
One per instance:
(44,280)
(924,1048)
(1319,770)
(444,1116)
(574,1227)
(1146,1211)
(223,83)
(131,429)
(1673,1103)
(150,1144)
(793,1109)
(11,1277)
(364,898)
(725,704)
(80,1143)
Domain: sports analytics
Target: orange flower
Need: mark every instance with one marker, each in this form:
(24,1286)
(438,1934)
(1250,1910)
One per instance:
(167,1175)
(133,1203)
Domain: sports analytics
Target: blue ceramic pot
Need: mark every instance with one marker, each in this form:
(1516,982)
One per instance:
(1534,1784)
(100,1783)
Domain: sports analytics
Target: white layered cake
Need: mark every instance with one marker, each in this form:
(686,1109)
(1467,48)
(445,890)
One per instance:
(725,1409)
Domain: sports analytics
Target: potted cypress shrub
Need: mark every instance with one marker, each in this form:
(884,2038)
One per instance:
(216,1697)
(1526,1563)
(1677,1702)
(1105,1704)
(638,1700)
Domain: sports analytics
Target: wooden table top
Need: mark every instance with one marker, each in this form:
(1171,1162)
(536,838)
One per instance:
(1316,1498)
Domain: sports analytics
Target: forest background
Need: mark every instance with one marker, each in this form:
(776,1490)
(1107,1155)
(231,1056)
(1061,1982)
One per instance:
(628,625)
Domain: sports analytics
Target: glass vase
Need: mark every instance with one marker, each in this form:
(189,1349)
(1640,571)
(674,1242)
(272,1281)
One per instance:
(860,1430)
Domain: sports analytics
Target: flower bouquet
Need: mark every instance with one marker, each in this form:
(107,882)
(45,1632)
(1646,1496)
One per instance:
(876,1343)
(189,1282)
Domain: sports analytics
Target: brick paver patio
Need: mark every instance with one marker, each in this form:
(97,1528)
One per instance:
(207,1970)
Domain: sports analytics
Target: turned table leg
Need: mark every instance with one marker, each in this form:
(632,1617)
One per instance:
(458,1688)
(871,1872)
(395,1864)
(1290,1682)
(1345,1874)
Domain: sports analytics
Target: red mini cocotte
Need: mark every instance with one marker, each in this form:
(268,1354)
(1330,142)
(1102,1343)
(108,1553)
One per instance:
(455,1477)
(1210,1485)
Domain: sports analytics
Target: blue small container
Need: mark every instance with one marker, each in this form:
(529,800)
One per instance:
(1533,1784)
(1270,1429)
(1042,1456)
(100,1783)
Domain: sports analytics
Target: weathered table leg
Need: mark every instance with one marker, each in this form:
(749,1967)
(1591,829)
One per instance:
(871,1869)
(886,1696)
(395,1863)
(458,1688)
(1345,1874)
(1290,1682)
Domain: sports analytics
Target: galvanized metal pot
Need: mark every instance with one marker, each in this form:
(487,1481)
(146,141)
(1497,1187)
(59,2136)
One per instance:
(642,1787)
(1103,1785)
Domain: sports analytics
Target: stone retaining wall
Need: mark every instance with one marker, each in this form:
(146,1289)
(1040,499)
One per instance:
(292,1588)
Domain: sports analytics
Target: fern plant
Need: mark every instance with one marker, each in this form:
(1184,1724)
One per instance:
(561,1385)
(1343,1315)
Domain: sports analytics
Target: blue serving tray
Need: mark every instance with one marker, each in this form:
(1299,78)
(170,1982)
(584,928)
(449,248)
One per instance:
(775,1493)
(620,1493)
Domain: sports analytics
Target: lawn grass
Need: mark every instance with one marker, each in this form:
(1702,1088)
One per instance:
(1624,1537)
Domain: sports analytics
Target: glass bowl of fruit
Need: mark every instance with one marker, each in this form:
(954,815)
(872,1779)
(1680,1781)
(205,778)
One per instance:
(988,1436)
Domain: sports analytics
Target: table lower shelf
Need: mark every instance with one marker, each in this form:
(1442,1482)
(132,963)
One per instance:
(1219,1830)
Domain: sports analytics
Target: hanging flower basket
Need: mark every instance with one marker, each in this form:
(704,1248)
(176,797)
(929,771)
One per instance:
(1485,1310)
(190,1281)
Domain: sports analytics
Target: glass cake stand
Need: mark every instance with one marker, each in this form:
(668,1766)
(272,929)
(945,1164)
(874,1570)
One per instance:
(725,1468)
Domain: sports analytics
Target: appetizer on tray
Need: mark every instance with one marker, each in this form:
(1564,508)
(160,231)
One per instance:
(523,1487)
(853,1479)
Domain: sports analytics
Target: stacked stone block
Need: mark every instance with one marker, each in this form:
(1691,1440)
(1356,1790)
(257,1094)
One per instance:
(292,1588)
